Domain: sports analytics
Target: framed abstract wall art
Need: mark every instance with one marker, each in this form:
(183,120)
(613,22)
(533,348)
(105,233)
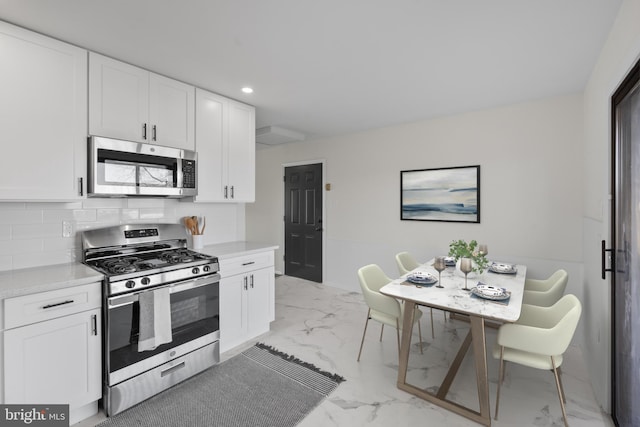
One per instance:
(443,194)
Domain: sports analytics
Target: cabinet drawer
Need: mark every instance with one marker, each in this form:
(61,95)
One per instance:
(238,265)
(33,308)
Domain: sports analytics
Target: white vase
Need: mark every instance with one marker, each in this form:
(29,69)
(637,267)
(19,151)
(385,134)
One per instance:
(471,274)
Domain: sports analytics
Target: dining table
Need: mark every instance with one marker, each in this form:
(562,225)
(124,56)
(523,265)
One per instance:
(468,305)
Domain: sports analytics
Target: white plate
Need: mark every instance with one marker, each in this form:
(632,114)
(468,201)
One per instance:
(422,278)
(498,267)
(490,292)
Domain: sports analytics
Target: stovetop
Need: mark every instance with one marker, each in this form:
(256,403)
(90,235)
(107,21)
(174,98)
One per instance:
(143,262)
(136,257)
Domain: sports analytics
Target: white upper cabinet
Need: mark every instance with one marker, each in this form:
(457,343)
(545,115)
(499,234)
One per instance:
(43,117)
(118,99)
(241,152)
(127,102)
(225,142)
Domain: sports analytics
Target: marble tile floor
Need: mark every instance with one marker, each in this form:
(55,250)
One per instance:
(323,325)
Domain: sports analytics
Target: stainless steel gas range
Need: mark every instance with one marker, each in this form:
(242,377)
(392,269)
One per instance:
(161,309)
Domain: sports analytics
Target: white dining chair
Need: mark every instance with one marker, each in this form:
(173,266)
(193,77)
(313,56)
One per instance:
(406,263)
(546,292)
(382,308)
(538,340)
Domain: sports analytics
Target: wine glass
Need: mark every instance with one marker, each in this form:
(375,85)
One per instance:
(439,265)
(483,249)
(466,266)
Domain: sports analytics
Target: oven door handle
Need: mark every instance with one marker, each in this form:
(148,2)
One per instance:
(123,300)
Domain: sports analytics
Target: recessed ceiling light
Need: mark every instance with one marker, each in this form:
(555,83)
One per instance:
(247,89)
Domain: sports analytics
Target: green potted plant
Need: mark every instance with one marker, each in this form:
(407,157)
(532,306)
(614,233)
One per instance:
(461,249)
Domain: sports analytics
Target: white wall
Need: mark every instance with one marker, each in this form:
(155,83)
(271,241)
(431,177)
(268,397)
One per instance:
(31,233)
(620,52)
(531,189)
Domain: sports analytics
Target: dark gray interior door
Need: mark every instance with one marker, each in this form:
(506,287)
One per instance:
(626,245)
(303,222)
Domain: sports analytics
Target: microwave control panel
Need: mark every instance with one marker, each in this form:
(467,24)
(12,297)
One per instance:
(188,173)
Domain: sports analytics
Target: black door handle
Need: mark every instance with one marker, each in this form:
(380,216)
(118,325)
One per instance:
(603,262)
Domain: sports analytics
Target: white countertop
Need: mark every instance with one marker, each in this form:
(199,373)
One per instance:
(234,249)
(47,278)
(453,298)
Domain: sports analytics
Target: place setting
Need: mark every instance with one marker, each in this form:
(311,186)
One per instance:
(490,293)
(421,279)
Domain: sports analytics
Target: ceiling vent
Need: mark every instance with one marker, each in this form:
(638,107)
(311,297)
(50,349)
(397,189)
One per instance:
(274,135)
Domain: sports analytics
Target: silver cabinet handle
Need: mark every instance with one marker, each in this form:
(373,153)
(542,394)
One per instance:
(144,131)
(154,133)
(225,192)
(80,186)
(232,193)
(69,301)
(252,281)
(245,283)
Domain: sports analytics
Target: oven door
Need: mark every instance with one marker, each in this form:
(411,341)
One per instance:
(195,322)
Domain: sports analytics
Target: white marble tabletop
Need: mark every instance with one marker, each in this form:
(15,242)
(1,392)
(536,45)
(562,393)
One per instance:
(453,298)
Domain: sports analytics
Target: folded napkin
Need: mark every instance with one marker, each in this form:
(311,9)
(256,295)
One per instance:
(155,319)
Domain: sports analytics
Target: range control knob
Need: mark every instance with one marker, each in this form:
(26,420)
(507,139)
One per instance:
(195,270)
(130,284)
(206,268)
(145,281)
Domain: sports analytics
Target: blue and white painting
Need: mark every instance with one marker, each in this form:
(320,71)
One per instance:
(450,194)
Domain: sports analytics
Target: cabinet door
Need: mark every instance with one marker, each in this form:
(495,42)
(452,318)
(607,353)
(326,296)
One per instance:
(43,116)
(260,301)
(233,311)
(171,112)
(118,99)
(211,135)
(57,361)
(241,152)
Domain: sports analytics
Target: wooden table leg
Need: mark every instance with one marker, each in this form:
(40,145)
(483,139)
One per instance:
(480,359)
(405,342)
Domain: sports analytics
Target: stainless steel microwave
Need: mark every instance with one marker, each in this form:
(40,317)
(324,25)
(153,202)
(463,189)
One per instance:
(120,168)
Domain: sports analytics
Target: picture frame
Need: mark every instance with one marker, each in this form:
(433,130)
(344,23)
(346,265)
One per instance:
(442,194)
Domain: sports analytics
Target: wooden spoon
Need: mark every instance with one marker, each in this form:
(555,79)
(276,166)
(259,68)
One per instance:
(194,220)
(188,222)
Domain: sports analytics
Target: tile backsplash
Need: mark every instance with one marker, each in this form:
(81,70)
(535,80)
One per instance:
(32,233)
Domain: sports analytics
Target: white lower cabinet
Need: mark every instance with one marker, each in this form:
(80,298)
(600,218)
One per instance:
(57,360)
(247,304)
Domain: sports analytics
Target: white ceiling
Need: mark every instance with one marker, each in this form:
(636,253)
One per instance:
(328,67)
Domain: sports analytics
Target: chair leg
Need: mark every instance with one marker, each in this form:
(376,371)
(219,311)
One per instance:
(433,334)
(363,333)
(381,331)
(500,379)
(560,392)
(445,316)
(564,397)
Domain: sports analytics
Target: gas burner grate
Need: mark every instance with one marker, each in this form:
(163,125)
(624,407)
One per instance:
(177,256)
(121,265)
